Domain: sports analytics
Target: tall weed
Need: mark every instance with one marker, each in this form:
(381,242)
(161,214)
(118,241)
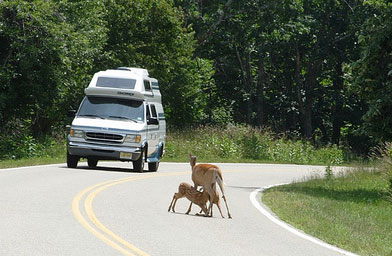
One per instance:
(18,144)
(236,142)
(384,154)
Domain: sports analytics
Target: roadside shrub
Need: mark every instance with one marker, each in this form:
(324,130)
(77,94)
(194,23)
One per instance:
(235,142)
(255,143)
(384,154)
(389,189)
(17,143)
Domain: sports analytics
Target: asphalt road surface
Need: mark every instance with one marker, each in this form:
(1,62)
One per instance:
(110,210)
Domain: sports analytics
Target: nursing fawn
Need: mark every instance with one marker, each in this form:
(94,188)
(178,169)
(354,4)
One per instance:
(196,197)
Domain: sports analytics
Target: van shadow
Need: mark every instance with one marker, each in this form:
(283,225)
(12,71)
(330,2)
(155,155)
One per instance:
(354,195)
(107,169)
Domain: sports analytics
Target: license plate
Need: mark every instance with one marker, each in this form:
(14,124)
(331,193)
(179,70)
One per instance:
(125,155)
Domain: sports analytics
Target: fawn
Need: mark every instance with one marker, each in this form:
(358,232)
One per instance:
(196,197)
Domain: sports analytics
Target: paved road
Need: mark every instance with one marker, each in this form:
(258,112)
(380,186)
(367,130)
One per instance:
(53,210)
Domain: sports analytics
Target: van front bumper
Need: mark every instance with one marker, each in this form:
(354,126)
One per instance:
(103,152)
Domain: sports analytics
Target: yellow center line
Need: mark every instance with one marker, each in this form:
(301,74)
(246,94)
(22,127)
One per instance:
(78,215)
(106,234)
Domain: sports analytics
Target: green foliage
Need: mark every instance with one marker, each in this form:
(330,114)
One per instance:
(373,71)
(46,58)
(235,143)
(49,51)
(20,144)
(384,154)
(151,34)
(286,65)
(328,173)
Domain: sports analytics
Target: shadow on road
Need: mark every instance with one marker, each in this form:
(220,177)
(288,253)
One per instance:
(242,187)
(105,169)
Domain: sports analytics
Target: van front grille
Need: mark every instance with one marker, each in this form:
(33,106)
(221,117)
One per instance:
(104,137)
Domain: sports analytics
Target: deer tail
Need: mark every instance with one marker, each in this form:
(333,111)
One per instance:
(220,182)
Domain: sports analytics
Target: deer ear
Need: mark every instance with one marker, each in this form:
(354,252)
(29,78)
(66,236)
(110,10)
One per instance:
(190,155)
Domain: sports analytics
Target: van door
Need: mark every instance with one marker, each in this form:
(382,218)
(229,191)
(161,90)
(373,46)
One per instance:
(153,130)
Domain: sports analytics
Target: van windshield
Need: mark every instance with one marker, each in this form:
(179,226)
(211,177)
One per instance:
(112,108)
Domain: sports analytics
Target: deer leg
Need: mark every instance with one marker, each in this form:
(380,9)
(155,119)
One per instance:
(203,208)
(175,198)
(189,209)
(212,207)
(228,212)
(171,206)
(220,183)
(220,210)
(211,193)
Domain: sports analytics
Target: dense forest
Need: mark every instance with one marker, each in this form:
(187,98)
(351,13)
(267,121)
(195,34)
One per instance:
(320,70)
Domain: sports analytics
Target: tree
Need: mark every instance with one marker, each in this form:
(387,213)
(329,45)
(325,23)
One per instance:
(372,73)
(45,53)
(151,34)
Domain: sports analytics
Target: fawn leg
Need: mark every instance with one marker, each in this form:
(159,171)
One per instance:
(189,209)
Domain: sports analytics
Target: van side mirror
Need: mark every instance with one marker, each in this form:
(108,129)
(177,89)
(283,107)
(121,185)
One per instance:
(72,113)
(152,121)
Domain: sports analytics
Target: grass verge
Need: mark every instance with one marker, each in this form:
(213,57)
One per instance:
(239,143)
(349,211)
(235,143)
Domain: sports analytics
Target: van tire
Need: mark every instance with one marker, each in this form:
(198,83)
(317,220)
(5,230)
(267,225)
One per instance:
(72,161)
(138,165)
(153,167)
(92,162)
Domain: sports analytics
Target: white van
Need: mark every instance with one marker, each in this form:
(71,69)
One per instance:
(120,118)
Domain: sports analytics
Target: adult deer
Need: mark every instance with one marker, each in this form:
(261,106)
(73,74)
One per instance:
(207,175)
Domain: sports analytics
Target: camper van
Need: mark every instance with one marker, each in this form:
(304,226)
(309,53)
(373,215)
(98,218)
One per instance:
(120,118)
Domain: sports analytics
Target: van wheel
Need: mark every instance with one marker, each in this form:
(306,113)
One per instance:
(72,161)
(92,163)
(153,167)
(138,165)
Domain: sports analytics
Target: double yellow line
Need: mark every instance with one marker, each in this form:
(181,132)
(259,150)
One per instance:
(86,198)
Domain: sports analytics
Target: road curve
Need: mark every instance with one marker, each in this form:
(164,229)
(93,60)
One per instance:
(108,210)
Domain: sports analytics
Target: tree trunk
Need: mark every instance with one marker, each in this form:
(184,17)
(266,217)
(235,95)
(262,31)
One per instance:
(337,115)
(249,89)
(304,112)
(246,80)
(306,105)
(260,92)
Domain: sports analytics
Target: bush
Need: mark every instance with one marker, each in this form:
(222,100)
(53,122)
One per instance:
(18,143)
(236,142)
(383,153)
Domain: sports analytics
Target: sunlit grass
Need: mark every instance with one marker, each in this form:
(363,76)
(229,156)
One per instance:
(349,211)
(239,143)
(235,143)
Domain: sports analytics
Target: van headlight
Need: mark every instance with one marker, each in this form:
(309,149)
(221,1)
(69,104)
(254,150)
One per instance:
(133,138)
(76,133)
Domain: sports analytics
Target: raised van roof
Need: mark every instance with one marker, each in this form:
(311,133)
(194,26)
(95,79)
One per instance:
(125,82)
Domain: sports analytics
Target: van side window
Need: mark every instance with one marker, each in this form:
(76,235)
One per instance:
(153,111)
(155,85)
(147,85)
(148,115)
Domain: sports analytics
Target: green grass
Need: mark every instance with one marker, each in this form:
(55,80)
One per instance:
(210,144)
(246,144)
(32,161)
(52,153)
(349,211)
